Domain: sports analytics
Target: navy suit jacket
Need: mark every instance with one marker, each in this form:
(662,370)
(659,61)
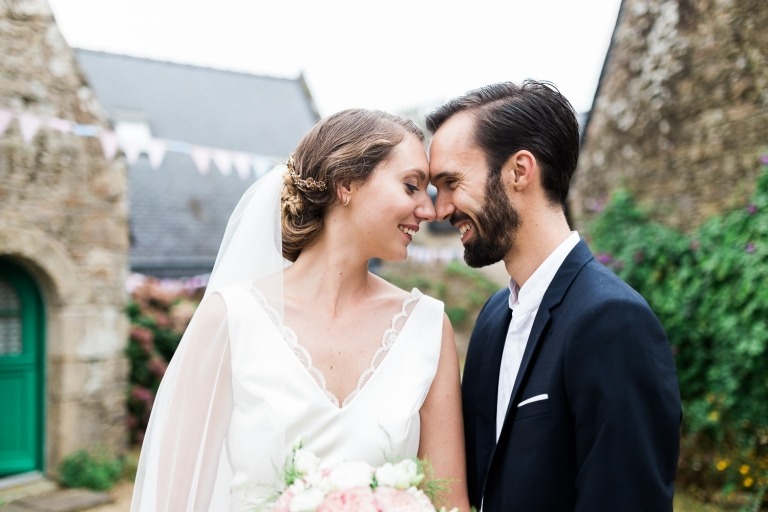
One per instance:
(607,437)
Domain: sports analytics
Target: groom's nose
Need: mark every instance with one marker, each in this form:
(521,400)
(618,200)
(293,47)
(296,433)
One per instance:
(444,208)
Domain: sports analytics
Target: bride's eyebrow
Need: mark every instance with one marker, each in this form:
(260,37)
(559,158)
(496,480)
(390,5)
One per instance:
(420,175)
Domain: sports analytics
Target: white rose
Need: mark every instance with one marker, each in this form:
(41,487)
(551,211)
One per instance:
(305,461)
(350,474)
(402,475)
(306,500)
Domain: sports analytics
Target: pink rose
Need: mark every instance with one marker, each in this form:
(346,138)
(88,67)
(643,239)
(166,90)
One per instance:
(394,500)
(356,499)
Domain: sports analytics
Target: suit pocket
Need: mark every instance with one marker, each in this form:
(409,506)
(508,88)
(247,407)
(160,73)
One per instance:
(533,409)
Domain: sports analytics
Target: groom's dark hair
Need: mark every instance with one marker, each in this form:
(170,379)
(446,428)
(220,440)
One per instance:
(533,116)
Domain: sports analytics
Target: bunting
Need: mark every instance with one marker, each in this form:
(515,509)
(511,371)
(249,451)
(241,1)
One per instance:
(246,165)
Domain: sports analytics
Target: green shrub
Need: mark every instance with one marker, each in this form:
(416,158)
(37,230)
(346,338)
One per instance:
(98,471)
(710,291)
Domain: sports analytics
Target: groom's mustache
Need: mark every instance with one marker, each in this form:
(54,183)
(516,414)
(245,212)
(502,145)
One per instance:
(459,217)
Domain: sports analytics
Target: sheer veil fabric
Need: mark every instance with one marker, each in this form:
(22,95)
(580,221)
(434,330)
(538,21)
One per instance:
(174,471)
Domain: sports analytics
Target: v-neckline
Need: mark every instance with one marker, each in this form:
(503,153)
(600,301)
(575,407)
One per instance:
(304,357)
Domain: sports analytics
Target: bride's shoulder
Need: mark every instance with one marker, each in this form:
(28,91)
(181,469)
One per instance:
(398,294)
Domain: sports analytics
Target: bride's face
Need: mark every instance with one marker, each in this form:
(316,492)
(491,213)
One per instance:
(388,209)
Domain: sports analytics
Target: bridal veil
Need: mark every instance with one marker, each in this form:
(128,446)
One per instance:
(184,463)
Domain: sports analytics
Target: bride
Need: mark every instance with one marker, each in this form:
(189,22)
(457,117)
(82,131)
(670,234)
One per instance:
(294,338)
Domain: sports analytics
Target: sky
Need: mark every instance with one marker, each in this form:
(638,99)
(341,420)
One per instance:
(395,55)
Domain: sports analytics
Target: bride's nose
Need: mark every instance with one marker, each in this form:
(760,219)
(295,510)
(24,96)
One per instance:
(426,209)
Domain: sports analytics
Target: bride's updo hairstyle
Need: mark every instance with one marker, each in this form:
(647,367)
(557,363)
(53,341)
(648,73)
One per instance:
(340,149)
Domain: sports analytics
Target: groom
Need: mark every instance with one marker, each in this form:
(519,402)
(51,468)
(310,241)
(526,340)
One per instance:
(571,401)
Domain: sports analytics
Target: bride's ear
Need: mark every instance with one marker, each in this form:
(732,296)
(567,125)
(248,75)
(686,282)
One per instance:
(344,192)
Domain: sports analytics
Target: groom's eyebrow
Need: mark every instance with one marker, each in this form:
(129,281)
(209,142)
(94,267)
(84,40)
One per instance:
(443,175)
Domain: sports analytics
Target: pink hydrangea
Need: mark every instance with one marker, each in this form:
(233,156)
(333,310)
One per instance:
(356,499)
(390,499)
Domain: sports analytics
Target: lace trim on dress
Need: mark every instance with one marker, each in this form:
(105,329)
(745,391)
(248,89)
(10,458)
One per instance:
(387,341)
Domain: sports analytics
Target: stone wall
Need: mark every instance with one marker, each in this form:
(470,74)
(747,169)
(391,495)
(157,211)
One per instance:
(681,111)
(64,217)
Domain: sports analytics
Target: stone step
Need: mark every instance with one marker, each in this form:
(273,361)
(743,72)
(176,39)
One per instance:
(24,485)
(62,500)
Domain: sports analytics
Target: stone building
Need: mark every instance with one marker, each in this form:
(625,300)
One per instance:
(63,255)
(681,110)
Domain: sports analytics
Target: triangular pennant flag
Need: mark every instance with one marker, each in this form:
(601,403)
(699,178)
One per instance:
(202,159)
(5,119)
(30,123)
(131,148)
(60,125)
(108,144)
(243,165)
(156,152)
(223,160)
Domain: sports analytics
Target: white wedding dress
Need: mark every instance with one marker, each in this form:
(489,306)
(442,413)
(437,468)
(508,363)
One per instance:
(245,390)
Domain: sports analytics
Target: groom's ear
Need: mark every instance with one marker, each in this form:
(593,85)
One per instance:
(519,171)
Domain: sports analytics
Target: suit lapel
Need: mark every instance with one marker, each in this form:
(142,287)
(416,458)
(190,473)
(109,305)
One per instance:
(565,275)
(490,333)
(496,335)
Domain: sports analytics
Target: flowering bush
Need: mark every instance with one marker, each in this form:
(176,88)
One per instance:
(159,312)
(312,486)
(710,291)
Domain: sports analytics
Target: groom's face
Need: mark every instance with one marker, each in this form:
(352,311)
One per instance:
(473,199)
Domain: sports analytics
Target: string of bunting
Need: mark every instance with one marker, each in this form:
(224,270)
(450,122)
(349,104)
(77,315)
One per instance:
(245,164)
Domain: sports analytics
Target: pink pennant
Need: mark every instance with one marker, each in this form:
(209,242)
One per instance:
(6,116)
(30,123)
(202,158)
(60,125)
(108,144)
(156,152)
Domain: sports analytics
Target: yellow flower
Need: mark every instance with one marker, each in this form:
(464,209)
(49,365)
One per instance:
(744,469)
(713,415)
(722,465)
(748,481)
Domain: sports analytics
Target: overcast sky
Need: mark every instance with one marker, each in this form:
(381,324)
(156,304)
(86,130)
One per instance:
(390,55)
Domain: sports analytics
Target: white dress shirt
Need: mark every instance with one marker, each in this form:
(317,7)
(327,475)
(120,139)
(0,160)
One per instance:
(524,302)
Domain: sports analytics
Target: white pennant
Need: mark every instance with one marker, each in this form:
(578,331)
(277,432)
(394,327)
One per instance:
(108,144)
(202,158)
(223,160)
(131,148)
(156,152)
(5,119)
(30,123)
(243,165)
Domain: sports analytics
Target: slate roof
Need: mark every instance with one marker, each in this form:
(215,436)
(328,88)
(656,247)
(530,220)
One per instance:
(178,215)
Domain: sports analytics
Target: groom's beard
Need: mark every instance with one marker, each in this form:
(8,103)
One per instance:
(496,226)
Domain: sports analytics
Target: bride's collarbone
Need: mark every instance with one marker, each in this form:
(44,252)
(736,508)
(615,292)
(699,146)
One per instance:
(354,332)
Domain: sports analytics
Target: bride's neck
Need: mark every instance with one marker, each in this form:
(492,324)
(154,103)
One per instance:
(329,276)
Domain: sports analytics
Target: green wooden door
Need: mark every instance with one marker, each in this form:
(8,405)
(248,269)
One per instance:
(22,357)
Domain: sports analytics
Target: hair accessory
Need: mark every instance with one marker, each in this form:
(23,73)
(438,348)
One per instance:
(307,184)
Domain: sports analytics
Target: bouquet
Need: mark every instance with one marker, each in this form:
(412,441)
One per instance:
(356,486)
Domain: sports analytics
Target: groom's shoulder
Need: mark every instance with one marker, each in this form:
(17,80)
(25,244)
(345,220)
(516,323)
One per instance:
(498,300)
